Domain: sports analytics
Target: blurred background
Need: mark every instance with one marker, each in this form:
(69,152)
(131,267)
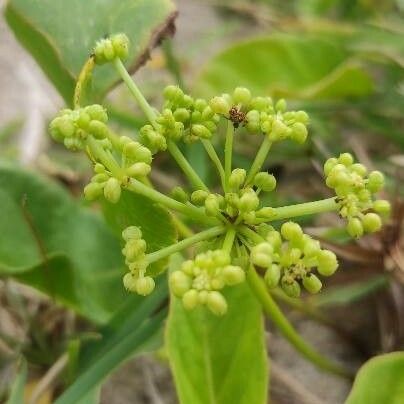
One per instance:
(340,60)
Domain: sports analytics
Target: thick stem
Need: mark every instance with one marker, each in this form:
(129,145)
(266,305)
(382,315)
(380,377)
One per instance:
(137,94)
(259,159)
(302,209)
(207,144)
(228,152)
(187,242)
(185,166)
(286,328)
(229,240)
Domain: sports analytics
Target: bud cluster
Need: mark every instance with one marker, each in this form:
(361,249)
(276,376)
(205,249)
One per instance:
(182,117)
(198,281)
(260,115)
(72,127)
(242,202)
(355,189)
(290,257)
(135,257)
(108,49)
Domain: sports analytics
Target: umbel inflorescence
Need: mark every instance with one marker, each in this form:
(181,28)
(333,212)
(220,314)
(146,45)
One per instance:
(234,234)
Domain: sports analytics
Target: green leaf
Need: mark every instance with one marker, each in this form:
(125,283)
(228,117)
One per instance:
(380,380)
(54,244)
(17,389)
(219,360)
(61,34)
(287,66)
(130,331)
(155,222)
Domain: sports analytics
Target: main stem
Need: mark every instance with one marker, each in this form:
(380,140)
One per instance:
(286,328)
(187,242)
(259,159)
(228,152)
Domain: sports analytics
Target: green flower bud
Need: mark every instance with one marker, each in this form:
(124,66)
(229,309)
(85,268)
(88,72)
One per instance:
(281,105)
(292,289)
(198,197)
(134,249)
(346,159)
(274,239)
(237,178)
(371,222)
(138,170)
(311,248)
(173,93)
(98,129)
(272,276)
(329,165)
(278,130)
(261,255)
(179,194)
(120,43)
(112,190)
(253,121)
(233,275)
(291,231)
(132,233)
(83,119)
(179,283)
(181,114)
(265,181)
(299,132)
(201,131)
(241,95)
(382,206)
(311,283)
(375,181)
(93,190)
(354,227)
(220,105)
(301,116)
(327,262)
(266,212)
(129,282)
(212,205)
(144,286)
(190,299)
(216,303)
(249,201)
(359,169)
(97,112)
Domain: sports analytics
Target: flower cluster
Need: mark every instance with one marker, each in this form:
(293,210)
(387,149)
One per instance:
(355,189)
(290,257)
(198,281)
(108,49)
(135,257)
(182,117)
(73,126)
(238,239)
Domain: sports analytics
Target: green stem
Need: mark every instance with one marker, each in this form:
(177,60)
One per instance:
(187,242)
(228,151)
(185,166)
(259,159)
(229,240)
(189,210)
(302,209)
(207,144)
(286,328)
(137,94)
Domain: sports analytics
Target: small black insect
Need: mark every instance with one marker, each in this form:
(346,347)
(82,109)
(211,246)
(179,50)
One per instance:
(236,116)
